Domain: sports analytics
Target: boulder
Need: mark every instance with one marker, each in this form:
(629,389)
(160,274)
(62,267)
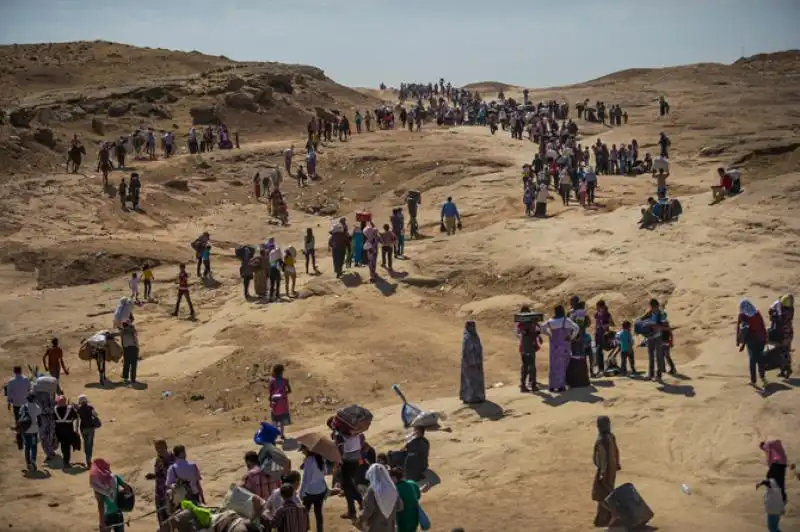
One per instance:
(282,83)
(45,137)
(234,84)
(204,114)
(21,117)
(98,126)
(265,96)
(118,109)
(151,94)
(150,109)
(241,100)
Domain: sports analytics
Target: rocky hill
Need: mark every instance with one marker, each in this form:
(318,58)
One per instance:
(99,90)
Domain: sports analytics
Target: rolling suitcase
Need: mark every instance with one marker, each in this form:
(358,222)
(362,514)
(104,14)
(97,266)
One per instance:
(628,509)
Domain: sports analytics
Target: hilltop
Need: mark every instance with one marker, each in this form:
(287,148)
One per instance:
(68,249)
(100,90)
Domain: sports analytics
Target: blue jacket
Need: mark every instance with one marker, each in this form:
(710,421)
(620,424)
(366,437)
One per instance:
(450,210)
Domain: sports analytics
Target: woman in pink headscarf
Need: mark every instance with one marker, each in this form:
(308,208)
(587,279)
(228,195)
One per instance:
(107,487)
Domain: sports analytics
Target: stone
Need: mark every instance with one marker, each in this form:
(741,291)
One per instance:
(21,117)
(45,137)
(204,114)
(98,126)
(118,109)
(265,96)
(241,100)
(234,84)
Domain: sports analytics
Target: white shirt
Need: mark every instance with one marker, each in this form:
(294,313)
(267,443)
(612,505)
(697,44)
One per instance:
(559,323)
(274,256)
(313,482)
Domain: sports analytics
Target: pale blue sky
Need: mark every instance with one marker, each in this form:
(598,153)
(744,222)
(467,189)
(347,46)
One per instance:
(363,42)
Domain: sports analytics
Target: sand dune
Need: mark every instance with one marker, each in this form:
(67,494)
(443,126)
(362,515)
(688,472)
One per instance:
(523,462)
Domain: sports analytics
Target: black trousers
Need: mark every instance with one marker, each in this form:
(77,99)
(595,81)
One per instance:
(274,283)
(316,501)
(778,472)
(351,494)
(386,256)
(130,360)
(527,372)
(184,294)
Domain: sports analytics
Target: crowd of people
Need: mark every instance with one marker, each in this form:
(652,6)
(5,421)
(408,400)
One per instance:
(383,490)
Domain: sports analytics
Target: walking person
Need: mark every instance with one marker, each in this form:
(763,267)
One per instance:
(751,332)
(313,488)
(107,487)
(147,279)
(65,416)
(473,388)
(164,459)
(88,423)
(655,341)
(16,391)
(388,241)
(28,427)
(625,343)
(562,331)
(371,244)
(777,462)
(183,291)
(130,352)
(450,217)
(290,272)
(309,245)
(409,492)
(290,517)
(606,462)
(529,342)
(338,245)
(279,390)
(381,502)
(187,474)
(275,258)
(53,360)
(603,321)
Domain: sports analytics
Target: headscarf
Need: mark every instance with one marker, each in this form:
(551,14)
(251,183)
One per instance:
(603,426)
(61,401)
(787,301)
(82,400)
(747,308)
(384,489)
(101,479)
(471,348)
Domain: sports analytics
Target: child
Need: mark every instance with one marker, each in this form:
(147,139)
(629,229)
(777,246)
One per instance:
(134,286)
(308,249)
(289,271)
(625,343)
(388,239)
(147,277)
(206,256)
(279,391)
(582,191)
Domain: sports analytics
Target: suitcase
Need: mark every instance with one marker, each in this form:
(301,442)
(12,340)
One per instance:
(363,216)
(628,509)
(577,373)
(352,420)
(528,317)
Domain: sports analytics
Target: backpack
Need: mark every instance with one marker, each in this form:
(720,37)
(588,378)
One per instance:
(126,499)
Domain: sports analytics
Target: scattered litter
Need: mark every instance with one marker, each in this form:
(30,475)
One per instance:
(685,489)
(166,394)
(498,385)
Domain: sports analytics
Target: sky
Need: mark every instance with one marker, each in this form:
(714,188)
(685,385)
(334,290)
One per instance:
(535,43)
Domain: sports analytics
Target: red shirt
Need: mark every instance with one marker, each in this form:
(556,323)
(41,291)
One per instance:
(755,325)
(183,282)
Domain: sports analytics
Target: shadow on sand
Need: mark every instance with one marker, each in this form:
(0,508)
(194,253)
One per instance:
(580,395)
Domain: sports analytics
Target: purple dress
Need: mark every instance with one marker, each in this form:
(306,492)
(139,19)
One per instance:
(560,352)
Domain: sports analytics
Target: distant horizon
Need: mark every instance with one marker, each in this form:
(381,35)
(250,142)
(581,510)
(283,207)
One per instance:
(377,41)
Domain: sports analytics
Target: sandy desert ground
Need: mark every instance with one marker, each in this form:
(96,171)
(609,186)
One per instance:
(522,461)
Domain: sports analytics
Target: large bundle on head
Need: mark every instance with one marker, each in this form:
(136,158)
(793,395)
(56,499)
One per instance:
(100,343)
(352,420)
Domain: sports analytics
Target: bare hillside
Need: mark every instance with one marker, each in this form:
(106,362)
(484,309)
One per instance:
(99,90)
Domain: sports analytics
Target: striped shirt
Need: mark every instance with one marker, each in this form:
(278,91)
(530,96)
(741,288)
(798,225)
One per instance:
(258,482)
(291,518)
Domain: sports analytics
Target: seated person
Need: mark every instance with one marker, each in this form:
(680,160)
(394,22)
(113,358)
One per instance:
(413,458)
(729,184)
(649,214)
(648,163)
